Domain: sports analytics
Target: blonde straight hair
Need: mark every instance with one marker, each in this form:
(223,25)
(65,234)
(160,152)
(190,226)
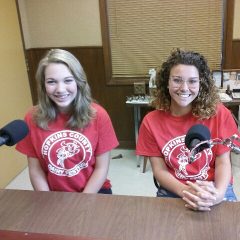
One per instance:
(81,112)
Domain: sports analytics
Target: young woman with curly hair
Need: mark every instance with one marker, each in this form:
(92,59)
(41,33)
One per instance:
(186,95)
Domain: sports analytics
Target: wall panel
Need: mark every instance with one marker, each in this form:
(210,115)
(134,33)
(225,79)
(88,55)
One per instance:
(15,96)
(236,54)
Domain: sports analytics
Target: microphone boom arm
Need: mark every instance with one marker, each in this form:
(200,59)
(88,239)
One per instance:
(226,142)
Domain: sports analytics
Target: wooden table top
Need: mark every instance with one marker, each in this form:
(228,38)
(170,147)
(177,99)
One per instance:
(42,215)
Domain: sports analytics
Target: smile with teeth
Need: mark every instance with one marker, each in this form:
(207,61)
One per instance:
(184,95)
(61,97)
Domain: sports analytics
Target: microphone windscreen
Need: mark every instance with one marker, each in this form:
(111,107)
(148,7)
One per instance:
(196,134)
(15,131)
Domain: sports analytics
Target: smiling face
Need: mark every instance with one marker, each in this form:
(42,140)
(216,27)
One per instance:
(60,85)
(183,88)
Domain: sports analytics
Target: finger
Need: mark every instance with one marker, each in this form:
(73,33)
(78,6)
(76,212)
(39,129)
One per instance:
(205,204)
(207,185)
(195,186)
(203,200)
(190,207)
(198,209)
(207,190)
(204,209)
(207,196)
(191,196)
(190,202)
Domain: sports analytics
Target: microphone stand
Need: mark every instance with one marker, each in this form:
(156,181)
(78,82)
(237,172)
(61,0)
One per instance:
(226,142)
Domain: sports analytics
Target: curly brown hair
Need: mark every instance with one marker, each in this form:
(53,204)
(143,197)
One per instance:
(205,104)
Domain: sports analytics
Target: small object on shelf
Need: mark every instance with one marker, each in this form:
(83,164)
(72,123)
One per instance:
(138,99)
(236,93)
(225,97)
(139,88)
(152,82)
(228,91)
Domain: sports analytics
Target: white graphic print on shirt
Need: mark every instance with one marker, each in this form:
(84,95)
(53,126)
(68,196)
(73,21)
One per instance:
(176,155)
(67,152)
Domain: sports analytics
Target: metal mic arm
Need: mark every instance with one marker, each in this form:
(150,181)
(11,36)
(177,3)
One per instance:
(229,143)
(226,142)
(195,150)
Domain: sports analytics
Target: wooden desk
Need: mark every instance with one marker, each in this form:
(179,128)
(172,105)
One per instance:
(97,216)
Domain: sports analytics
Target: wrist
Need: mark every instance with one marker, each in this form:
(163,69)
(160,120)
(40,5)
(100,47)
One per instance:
(220,196)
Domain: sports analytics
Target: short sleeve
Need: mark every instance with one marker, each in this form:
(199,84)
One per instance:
(146,143)
(25,146)
(227,128)
(107,139)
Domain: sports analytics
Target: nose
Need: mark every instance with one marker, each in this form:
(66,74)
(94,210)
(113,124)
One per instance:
(60,87)
(184,85)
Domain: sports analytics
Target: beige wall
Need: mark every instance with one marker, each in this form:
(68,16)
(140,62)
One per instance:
(56,23)
(236,22)
(14,88)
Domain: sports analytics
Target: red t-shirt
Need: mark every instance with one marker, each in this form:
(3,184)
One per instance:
(163,135)
(68,156)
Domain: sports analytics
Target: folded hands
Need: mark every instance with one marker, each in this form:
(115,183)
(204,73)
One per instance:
(201,195)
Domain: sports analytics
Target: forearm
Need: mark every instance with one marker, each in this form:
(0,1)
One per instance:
(99,175)
(37,176)
(222,176)
(96,181)
(39,182)
(166,180)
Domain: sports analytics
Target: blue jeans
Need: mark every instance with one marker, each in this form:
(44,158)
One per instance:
(229,195)
(105,191)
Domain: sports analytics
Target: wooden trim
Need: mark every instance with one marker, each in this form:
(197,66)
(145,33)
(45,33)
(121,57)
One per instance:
(24,48)
(235,53)
(127,144)
(13,235)
(127,81)
(105,40)
(228,34)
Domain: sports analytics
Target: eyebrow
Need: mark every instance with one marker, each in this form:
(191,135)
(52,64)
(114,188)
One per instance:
(63,78)
(181,77)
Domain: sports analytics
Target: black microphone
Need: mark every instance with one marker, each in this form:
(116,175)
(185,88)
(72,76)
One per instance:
(13,132)
(195,135)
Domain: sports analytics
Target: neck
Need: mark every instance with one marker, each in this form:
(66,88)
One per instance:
(180,111)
